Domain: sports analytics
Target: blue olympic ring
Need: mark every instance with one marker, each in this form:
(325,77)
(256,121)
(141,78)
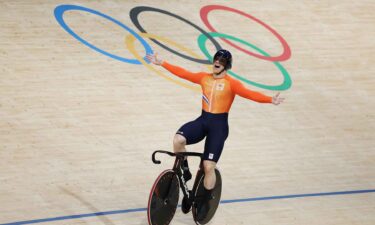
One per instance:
(59,11)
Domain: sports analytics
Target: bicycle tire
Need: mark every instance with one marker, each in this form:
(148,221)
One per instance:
(214,203)
(163,199)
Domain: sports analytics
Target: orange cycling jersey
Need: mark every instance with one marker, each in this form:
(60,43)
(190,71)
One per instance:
(217,93)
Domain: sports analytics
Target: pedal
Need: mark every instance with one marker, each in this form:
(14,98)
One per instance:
(186,205)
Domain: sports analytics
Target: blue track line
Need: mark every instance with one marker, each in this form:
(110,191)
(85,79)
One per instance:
(221,202)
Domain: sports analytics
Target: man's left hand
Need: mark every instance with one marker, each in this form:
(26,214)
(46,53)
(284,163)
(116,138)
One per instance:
(276,100)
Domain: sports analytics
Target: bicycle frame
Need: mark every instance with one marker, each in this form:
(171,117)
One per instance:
(177,167)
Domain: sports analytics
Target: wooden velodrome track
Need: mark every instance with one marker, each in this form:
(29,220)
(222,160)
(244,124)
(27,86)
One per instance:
(78,127)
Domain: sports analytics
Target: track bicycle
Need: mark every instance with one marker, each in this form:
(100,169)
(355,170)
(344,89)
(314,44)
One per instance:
(164,195)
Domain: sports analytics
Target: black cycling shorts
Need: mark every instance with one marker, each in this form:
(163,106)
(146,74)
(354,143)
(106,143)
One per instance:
(213,127)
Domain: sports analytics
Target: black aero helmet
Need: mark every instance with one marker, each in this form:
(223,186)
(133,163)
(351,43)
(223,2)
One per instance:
(225,58)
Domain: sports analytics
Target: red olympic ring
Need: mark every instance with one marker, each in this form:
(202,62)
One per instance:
(284,56)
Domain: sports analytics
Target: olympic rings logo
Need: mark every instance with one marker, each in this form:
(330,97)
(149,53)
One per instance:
(190,55)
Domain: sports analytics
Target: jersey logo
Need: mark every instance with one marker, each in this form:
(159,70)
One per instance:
(210,156)
(220,87)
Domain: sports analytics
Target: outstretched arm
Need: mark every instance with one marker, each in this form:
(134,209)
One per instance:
(242,91)
(178,71)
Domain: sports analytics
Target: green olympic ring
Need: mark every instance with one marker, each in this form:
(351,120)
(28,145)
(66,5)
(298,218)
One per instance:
(284,86)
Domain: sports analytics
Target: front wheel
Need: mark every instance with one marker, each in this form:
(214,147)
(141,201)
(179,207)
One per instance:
(163,199)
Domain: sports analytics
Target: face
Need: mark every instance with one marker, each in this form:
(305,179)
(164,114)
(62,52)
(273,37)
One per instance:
(218,66)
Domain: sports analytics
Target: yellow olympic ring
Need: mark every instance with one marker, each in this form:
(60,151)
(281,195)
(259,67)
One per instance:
(129,41)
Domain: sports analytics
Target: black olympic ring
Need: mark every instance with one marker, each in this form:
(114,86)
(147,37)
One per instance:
(134,18)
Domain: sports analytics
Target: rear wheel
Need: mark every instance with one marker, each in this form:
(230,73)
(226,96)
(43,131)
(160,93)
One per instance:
(198,196)
(163,199)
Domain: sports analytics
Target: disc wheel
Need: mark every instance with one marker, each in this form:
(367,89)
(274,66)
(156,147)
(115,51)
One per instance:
(213,203)
(163,199)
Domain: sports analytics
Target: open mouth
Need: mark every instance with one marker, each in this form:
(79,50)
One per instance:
(217,66)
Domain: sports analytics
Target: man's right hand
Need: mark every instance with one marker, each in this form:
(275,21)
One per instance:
(153,58)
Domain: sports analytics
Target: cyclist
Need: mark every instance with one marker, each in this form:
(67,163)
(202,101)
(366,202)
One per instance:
(218,92)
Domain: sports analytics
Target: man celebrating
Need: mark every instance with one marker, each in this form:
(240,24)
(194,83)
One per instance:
(218,92)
